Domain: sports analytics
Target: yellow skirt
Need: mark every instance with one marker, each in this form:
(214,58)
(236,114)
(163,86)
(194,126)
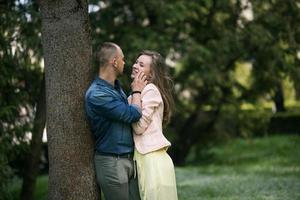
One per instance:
(156,175)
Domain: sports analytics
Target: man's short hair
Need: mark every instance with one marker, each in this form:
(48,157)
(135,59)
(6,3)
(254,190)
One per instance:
(105,52)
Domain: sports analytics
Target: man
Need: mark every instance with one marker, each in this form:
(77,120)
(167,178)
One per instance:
(110,117)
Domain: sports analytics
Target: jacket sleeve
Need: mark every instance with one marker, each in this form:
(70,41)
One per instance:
(129,99)
(113,108)
(151,99)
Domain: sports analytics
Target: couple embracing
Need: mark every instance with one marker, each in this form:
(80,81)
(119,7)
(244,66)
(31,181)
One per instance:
(131,159)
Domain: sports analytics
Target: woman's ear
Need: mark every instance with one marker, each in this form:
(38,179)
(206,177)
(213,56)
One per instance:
(150,76)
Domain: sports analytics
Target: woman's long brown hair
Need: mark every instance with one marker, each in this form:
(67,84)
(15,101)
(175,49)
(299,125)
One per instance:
(161,79)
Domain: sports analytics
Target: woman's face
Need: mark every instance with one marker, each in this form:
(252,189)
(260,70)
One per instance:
(142,63)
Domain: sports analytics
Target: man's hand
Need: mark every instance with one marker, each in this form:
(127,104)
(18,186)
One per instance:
(139,82)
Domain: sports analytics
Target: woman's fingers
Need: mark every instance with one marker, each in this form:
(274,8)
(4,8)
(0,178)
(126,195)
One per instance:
(141,76)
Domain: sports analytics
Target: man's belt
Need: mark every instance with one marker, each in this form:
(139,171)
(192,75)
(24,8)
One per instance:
(123,155)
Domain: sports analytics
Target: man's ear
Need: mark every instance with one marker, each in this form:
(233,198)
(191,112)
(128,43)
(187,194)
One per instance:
(114,62)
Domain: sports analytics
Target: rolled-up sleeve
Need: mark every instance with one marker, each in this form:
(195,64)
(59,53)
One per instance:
(113,108)
(150,101)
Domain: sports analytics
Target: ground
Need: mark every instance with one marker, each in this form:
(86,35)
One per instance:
(243,169)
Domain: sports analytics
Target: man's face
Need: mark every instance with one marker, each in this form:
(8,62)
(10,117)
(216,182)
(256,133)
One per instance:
(119,61)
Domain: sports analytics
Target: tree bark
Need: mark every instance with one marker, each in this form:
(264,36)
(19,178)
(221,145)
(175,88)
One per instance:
(194,130)
(279,98)
(67,51)
(33,157)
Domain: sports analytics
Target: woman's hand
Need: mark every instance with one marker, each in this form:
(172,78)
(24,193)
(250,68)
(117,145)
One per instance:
(139,82)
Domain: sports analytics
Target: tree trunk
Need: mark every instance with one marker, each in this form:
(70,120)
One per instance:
(296,77)
(194,130)
(67,52)
(33,157)
(279,98)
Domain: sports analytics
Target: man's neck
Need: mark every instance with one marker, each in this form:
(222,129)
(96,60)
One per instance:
(108,76)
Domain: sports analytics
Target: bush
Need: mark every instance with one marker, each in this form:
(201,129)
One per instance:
(254,122)
(235,122)
(285,123)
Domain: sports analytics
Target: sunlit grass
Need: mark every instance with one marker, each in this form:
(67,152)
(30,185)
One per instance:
(265,168)
(231,184)
(290,104)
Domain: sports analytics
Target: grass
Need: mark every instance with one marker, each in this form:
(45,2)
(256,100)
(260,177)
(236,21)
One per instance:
(257,169)
(40,191)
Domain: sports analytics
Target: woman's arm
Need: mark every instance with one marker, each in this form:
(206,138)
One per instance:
(151,99)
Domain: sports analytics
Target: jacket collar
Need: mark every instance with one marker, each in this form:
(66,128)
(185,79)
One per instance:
(107,84)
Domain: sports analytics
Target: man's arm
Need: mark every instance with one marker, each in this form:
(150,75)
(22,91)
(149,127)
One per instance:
(103,103)
(110,107)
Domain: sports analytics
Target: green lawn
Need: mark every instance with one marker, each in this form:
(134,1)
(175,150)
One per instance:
(40,192)
(264,168)
(259,169)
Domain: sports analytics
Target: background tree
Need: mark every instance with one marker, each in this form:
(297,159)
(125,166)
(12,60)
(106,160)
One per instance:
(21,76)
(33,156)
(272,42)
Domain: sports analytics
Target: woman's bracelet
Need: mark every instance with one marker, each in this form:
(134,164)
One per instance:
(133,92)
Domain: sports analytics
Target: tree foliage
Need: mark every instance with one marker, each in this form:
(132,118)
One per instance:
(207,40)
(20,77)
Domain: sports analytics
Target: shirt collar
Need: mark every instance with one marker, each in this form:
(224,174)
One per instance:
(105,83)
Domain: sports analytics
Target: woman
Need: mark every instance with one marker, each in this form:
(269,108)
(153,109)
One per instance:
(155,168)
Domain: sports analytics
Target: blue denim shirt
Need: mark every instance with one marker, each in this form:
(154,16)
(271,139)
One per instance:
(110,117)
